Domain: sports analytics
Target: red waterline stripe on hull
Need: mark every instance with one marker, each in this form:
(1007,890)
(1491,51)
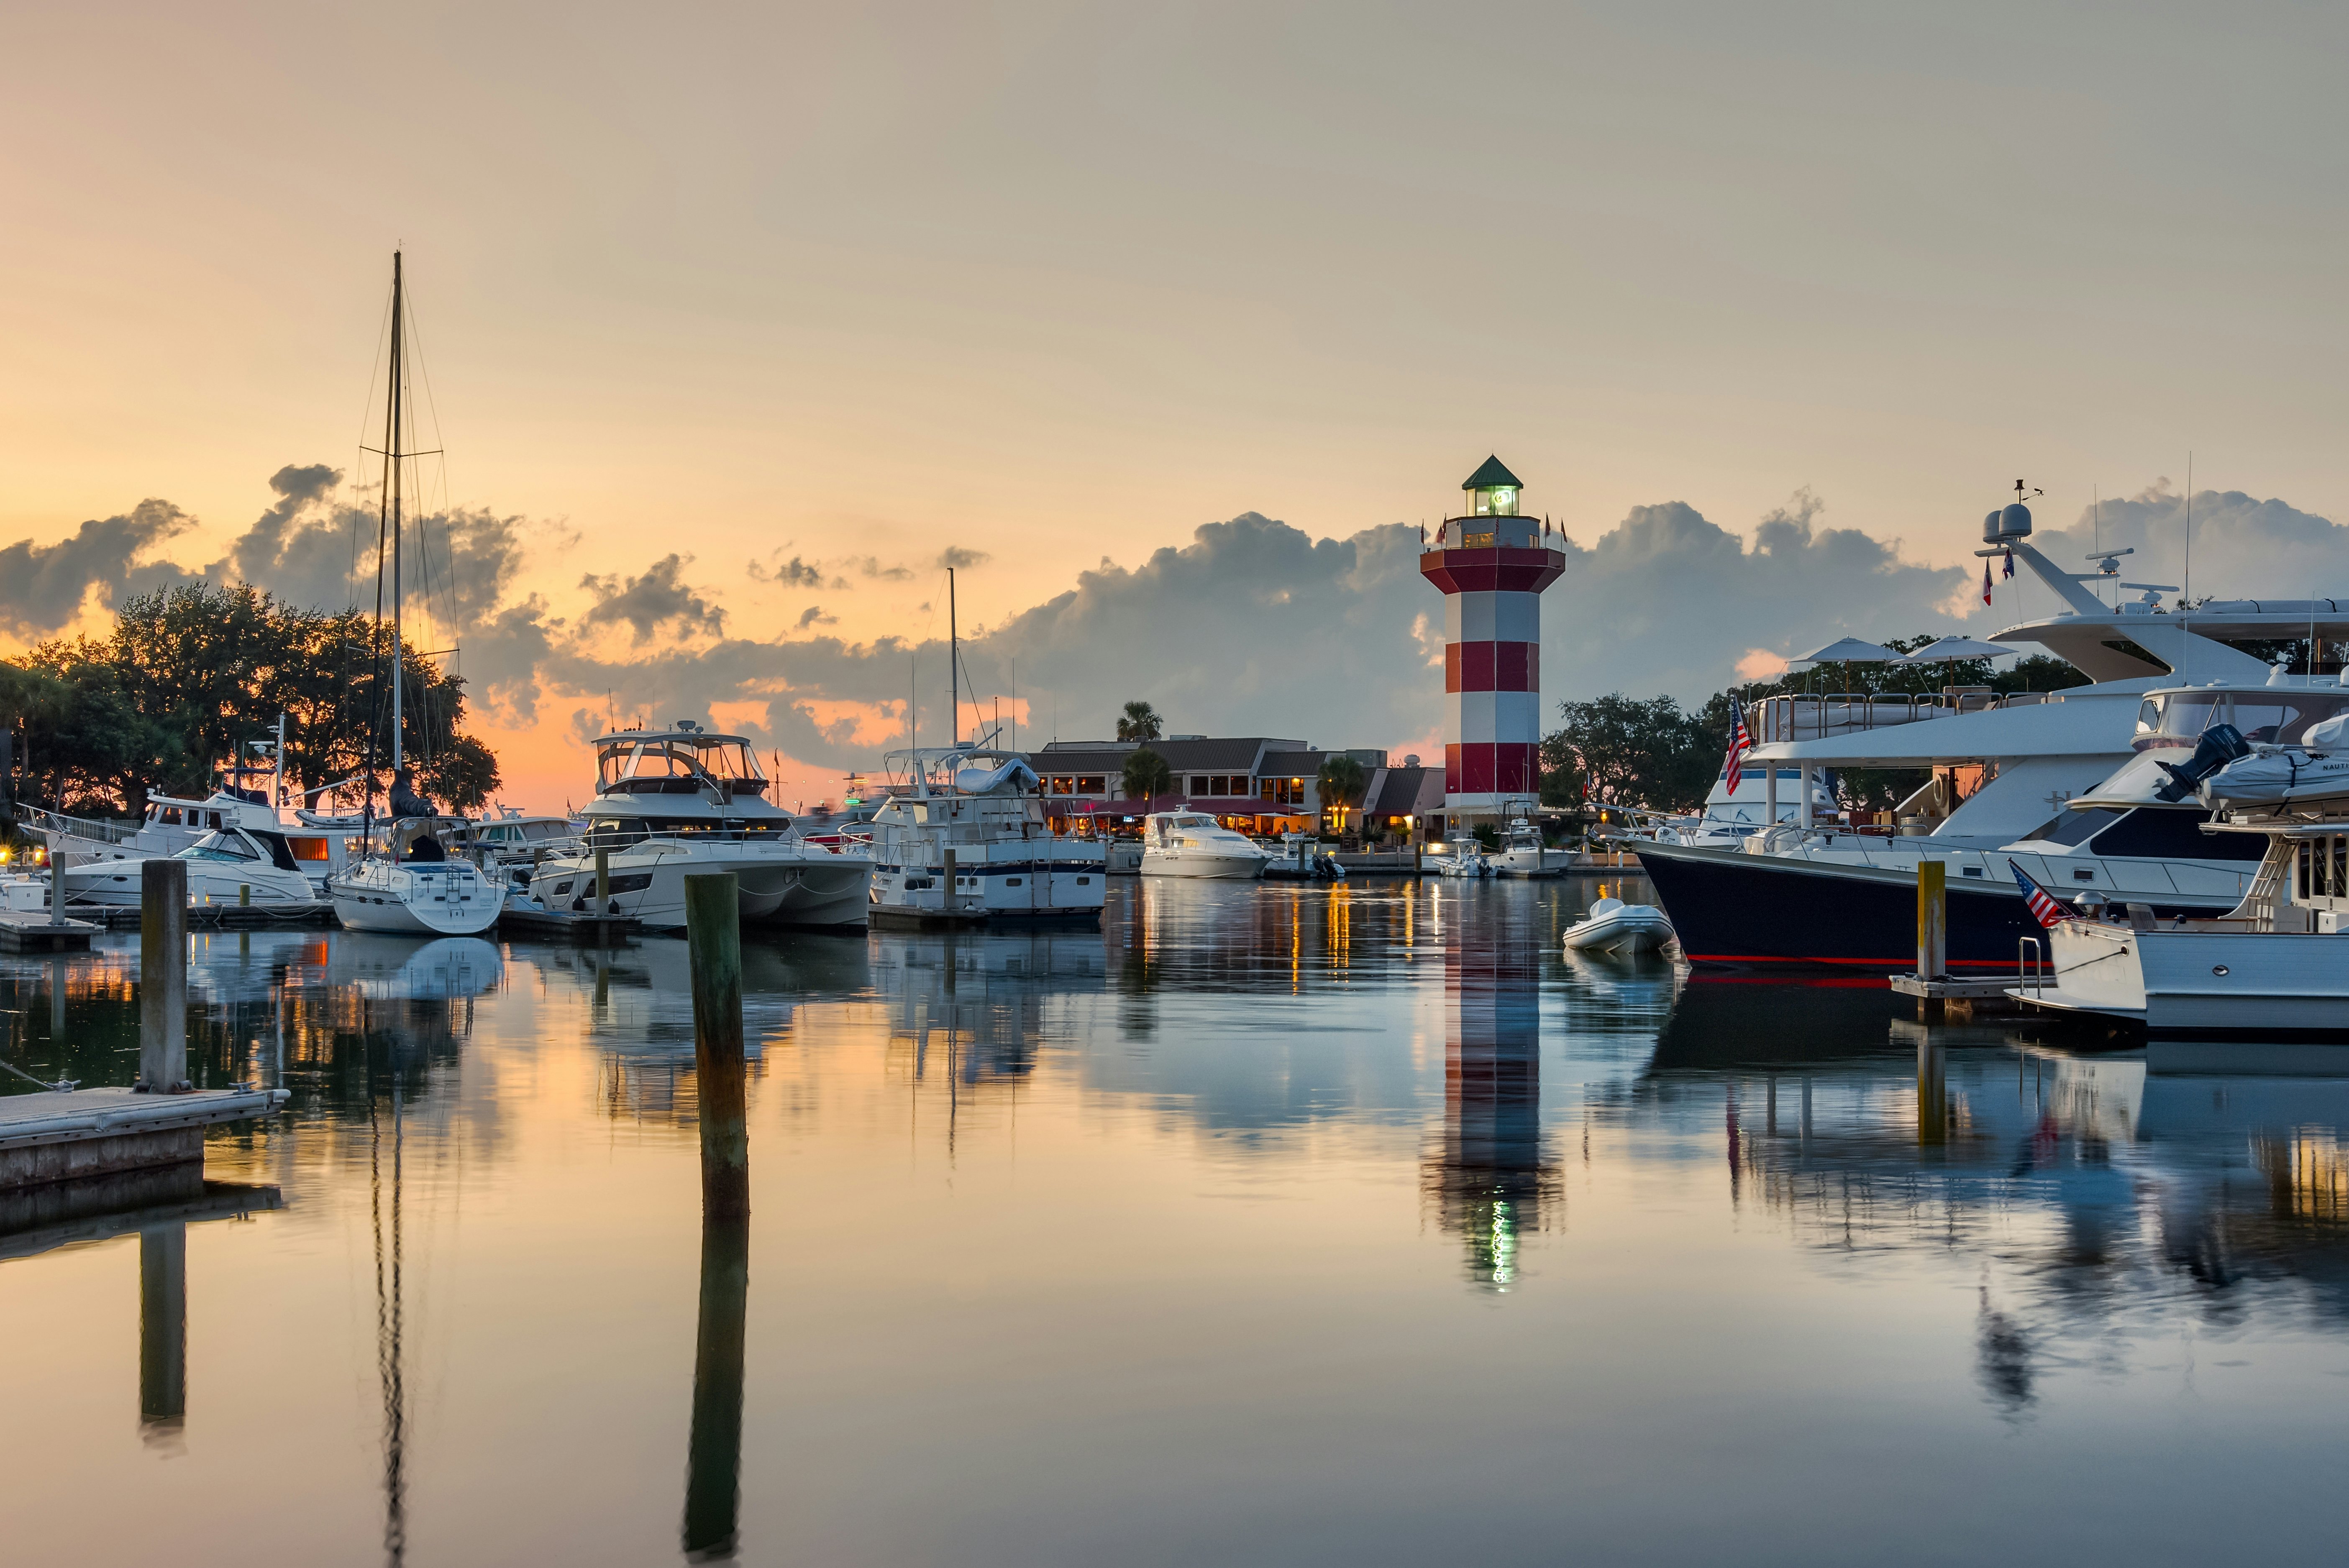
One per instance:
(1876,962)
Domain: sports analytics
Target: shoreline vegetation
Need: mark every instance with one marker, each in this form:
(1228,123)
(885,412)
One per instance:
(189,675)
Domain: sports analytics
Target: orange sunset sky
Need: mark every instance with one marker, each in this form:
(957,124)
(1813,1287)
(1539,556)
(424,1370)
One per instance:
(808,297)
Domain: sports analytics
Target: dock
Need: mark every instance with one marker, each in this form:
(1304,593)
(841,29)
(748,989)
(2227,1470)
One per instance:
(216,917)
(1975,994)
(883,917)
(75,1134)
(563,925)
(23,931)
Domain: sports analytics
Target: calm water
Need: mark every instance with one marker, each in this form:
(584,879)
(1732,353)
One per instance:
(1266,1224)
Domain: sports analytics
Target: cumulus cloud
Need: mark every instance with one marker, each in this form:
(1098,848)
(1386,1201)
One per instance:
(2244,547)
(42,586)
(646,603)
(956,556)
(791,574)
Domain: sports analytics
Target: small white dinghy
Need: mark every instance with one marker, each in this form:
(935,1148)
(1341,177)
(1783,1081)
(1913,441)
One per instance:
(1616,927)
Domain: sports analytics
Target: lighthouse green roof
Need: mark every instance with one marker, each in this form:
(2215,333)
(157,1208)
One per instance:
(1491,475)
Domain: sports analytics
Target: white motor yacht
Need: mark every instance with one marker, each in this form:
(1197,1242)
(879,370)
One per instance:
(965,837)
(1816,892)
(1463,857)
(2273,970)
(1192,844)
(682,802)
(231,866)
(1523,853)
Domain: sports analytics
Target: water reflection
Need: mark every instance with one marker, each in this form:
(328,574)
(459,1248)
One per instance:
(1235,1197)
(1488,1175)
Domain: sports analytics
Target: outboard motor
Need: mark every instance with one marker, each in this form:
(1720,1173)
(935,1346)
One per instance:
(2218,745)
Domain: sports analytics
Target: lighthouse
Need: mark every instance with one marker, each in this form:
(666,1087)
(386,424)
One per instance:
(1492,563)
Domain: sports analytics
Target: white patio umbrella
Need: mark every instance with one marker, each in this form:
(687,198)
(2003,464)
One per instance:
(1847,650)
(1950,650)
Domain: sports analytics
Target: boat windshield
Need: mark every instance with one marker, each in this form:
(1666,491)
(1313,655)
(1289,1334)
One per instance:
(219,847)
(2276,715)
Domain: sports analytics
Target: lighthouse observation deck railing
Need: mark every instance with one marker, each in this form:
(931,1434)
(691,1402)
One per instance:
(1816,718)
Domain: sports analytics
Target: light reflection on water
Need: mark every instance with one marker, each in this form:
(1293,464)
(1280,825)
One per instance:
(1271,1223)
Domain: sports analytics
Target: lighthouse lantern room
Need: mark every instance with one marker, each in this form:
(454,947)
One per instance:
(1492,565)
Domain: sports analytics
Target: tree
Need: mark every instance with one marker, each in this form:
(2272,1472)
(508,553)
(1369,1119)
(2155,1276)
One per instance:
(1147,776)
(1140,723)
(1341,783)
(189,676)
(1635,753)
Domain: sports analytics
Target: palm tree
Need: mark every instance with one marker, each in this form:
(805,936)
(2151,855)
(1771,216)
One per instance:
(1147,776)
(1341,783)
(1141,722)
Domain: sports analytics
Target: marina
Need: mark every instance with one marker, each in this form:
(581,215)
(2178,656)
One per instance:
(1433,1194)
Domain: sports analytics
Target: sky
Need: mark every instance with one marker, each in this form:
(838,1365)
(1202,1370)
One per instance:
(1170,324)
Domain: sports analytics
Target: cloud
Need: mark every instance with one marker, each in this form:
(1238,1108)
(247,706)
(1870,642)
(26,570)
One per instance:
(955,556)
(870,566)
(2244,547)
(42,587)
(793,573)
(1760,664)
(813,616)
(646,603)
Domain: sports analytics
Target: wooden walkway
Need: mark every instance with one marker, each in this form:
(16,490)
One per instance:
(63,1136)
(26,931)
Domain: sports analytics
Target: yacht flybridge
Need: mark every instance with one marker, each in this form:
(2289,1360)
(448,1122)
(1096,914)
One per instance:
(964,839)
(2004,768)
(682,802)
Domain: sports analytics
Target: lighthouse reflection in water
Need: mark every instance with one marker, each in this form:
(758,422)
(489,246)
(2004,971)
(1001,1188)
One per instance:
(1485,1173)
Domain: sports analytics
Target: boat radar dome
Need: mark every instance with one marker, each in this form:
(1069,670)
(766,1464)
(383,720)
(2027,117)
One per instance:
(2007,524)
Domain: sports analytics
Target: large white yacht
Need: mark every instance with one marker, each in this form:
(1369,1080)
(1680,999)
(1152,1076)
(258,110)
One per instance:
(1814,892)
(2268,971)
(1192,844)
(965,838)
(682,802)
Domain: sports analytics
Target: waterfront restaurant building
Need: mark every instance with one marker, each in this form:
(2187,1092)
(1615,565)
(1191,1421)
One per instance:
(1251,784)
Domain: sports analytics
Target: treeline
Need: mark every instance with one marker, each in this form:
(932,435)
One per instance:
(1652,752)
(189,675)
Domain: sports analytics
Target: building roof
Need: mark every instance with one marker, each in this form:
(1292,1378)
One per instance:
(1493,474)
(1213,754)
(1398,792)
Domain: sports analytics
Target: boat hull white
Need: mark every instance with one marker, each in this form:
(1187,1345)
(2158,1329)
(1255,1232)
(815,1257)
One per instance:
(435,898)
(2190,985)
(1217,865)
(782,884)
(118,884)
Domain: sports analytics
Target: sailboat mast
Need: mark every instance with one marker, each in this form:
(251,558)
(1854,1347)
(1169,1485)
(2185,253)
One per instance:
(391,477)
(953,660)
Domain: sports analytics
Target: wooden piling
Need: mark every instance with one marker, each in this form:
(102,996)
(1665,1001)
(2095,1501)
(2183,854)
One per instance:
(163,1327)
(952,901)
(603,881)
(163,977)
(713,933)
(57,891)
(713,1463)
(1933,920)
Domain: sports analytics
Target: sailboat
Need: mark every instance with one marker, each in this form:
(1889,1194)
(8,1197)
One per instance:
(406,884)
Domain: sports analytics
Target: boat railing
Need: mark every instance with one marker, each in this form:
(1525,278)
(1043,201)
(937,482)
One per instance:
(96,829)
(1804,716)
(2030,965)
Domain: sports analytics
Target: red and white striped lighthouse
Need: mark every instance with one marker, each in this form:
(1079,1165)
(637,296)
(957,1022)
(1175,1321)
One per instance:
(1492,565)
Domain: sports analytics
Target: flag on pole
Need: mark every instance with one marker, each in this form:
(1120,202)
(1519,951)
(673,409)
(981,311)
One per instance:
(1740,743)
(2044,906)
(1985,582)
(2006,565)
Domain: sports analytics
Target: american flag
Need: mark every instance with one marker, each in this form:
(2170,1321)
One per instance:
(1740,743)
(2044,906)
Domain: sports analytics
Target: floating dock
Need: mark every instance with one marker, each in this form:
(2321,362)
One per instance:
(24,931)
(562,925)
(214,917)
(71,1134)
(1975,994)
(883,918)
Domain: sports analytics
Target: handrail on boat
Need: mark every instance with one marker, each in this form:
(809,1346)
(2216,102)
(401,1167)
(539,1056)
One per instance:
(2029,966)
